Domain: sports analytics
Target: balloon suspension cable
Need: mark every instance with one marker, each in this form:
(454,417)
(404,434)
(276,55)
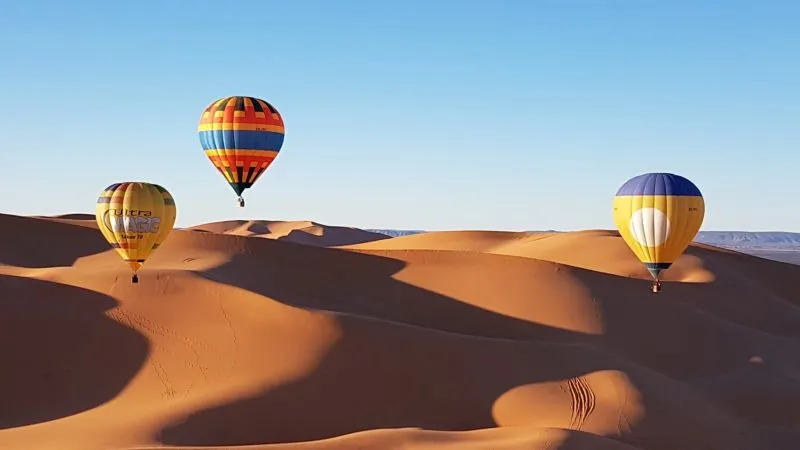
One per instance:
(656,287)
(135,278)
(241,202)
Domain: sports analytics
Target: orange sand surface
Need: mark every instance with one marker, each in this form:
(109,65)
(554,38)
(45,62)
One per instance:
(297,335)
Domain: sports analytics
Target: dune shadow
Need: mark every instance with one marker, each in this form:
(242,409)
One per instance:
(360,385)
(784,256)
(60,354)
(332,237)
(41,243)
(363,284)
(71,216)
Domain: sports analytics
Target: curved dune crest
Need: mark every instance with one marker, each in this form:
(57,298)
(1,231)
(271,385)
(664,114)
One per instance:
(598,250)
(475,340)
(302,232)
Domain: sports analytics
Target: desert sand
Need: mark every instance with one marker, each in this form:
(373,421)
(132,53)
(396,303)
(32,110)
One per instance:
(298,335)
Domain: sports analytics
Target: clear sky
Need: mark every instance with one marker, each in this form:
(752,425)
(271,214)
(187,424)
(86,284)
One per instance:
(424,114)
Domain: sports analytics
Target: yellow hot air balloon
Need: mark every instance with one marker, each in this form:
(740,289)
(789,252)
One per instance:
(658,216)
(135,218)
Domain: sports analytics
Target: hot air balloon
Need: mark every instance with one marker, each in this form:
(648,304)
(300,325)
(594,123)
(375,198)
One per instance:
(241,136)
(135,219)
(658,215)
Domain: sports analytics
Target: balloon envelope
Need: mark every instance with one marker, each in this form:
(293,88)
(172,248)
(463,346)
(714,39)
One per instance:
(242,137)
(135,218)
(658,216)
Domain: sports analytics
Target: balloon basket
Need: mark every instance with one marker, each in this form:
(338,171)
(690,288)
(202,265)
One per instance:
(135,279)
(241,202)
(655,288)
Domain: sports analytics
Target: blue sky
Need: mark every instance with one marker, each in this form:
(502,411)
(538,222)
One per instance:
(431,114)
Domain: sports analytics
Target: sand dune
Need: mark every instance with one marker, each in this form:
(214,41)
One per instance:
(467,340)
(84,220)
(597,250)
(301,232)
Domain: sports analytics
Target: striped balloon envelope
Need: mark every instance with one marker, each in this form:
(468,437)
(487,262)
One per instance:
(242,137)
(135,218)
(658,215)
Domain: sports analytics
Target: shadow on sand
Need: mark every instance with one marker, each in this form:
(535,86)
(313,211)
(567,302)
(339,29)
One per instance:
(363,284)
(40,242)
(60,354)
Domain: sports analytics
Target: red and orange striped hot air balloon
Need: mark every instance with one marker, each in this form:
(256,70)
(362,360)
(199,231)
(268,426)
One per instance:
(242,137)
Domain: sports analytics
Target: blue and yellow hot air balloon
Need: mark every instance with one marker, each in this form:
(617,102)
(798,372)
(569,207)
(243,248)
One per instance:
(242,137)
(658,216)
(135,218)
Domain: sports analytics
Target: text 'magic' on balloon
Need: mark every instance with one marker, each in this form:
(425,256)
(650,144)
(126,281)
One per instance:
(135,218)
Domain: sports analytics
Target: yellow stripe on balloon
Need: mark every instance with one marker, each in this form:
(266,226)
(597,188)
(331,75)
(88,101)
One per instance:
(658,228)
(240,126)
(236,152)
